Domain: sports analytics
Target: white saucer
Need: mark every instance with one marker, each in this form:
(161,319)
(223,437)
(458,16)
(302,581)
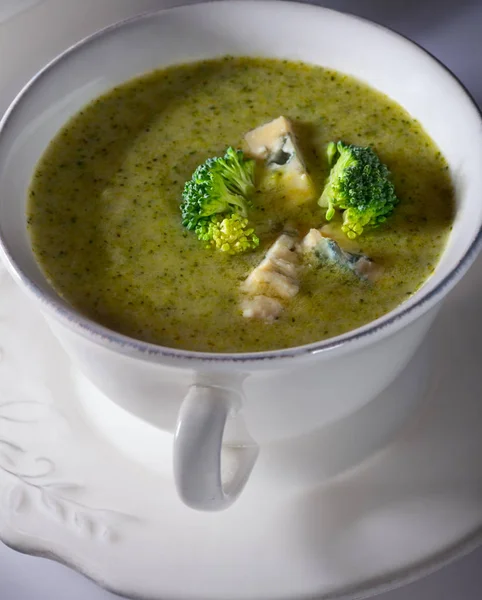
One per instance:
(390,506)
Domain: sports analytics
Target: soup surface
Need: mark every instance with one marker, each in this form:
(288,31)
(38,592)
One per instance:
(104,214)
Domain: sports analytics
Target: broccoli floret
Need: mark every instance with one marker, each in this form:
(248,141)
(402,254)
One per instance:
(220,185)
(359,184)
(231,234)
(215,202)
(237,172)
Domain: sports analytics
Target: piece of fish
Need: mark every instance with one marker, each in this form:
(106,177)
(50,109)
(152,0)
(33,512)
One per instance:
(276,275)
(262,308)
(274,279)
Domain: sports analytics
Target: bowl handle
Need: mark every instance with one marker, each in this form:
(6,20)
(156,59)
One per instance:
(198,445)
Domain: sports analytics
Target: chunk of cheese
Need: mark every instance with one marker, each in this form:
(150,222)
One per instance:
(276,144)
(324,248)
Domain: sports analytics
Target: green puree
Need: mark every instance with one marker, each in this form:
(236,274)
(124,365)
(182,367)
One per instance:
(104,204)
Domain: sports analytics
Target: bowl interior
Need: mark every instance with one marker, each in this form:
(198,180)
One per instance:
(375,55)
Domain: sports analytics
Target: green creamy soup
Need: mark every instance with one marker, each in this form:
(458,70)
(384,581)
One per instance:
(105,221)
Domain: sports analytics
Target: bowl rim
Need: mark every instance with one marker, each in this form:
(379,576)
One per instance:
(361,336)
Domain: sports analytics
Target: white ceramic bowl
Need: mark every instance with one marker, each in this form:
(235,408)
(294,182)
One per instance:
(254,398)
